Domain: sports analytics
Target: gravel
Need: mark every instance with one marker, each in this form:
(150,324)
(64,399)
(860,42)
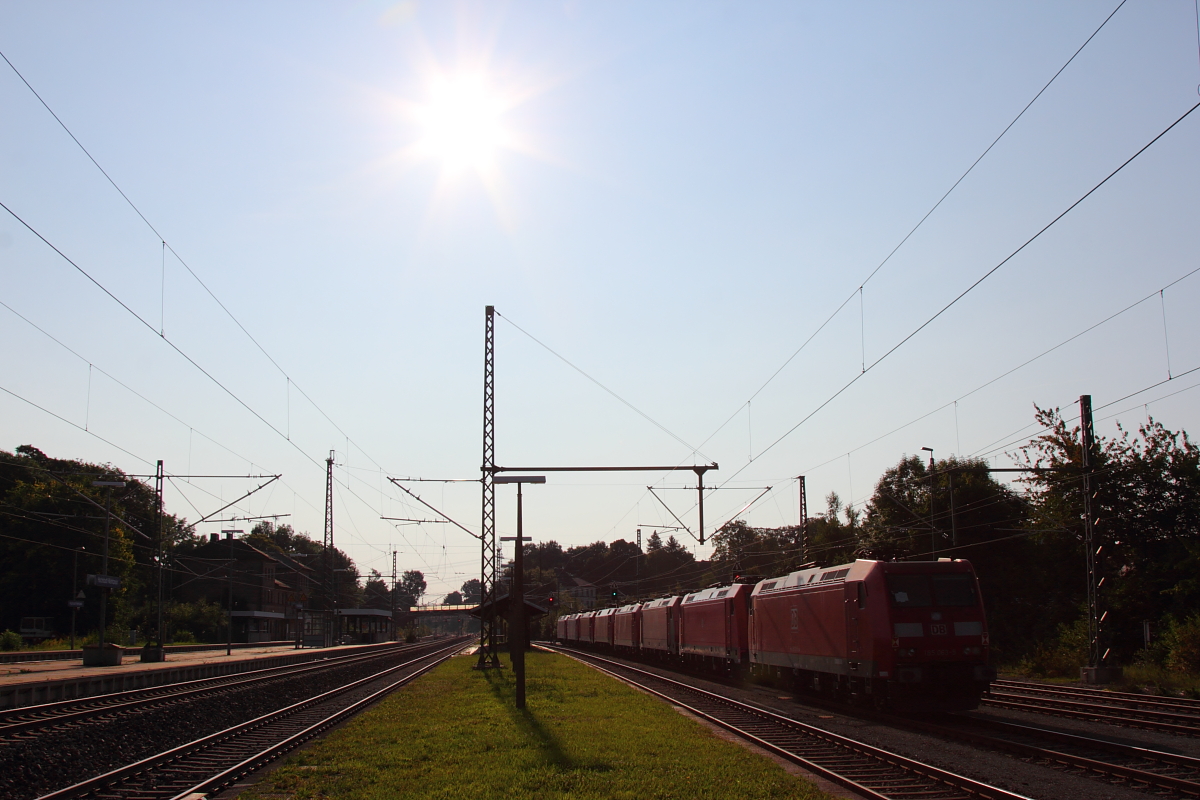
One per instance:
(999,769)
(39,762)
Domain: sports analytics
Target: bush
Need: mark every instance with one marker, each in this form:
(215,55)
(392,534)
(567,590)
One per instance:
(10,640)
(1061,658)
(1182,642)
(202,620)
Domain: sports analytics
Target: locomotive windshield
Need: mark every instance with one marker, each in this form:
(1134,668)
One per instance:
(921,591)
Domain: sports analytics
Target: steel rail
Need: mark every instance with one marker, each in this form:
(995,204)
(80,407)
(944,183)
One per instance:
(868,770)
(1137,718)
(49,715)
(1102,695)
(159,776)
(1149,774)
(1175,783)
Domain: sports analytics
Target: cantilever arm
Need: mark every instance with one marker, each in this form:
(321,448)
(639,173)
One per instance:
(431,508)
(672,513)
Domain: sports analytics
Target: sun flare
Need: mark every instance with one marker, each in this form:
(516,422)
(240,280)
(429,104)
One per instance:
(462,123)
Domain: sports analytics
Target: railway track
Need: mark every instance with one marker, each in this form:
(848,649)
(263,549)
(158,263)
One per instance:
(1164,774)
(865,769)
(1173,715)
(210,763)
(27,720)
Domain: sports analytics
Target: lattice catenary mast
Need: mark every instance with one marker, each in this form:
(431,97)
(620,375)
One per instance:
(488,655)
(329,573)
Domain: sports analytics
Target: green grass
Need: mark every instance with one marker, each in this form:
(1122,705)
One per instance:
(1159,680)
(455,733)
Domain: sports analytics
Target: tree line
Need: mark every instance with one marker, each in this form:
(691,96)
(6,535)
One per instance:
(1025,540)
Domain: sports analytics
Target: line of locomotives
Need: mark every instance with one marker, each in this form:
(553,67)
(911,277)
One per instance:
(906,635)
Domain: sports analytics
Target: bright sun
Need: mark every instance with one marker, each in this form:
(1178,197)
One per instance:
(461,124)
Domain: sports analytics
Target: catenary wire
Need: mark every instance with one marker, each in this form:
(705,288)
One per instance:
(175,347)
(625,402)
(167,246)
(970,288)
(921,222)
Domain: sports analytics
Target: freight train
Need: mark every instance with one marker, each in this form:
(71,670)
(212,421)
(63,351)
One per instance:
(905,635)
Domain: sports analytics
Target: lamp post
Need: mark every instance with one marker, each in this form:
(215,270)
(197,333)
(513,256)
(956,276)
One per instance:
(932,528)
(104,590)
(517,594)
(229,573)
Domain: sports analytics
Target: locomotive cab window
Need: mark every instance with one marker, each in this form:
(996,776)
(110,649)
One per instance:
(909,591)
(922,591)
(954,590)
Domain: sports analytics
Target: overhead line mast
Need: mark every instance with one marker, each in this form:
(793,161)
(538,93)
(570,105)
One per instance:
(488,655)
(328,541)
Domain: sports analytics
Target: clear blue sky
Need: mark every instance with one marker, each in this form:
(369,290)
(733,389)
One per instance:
(674,197)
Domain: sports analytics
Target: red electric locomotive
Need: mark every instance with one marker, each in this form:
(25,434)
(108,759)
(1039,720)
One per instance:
(907,634)
(627,628)
(713,627)
(587,627)
(562,628)
(602,632)
(659,627)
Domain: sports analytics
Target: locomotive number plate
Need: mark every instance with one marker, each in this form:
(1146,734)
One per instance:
(938,629)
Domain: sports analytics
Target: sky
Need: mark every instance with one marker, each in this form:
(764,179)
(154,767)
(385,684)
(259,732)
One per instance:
(293,216)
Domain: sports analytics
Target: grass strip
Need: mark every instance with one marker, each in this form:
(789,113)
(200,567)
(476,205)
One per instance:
(456,733)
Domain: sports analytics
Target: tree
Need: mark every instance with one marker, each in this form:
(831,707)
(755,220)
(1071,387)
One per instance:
(453,599)
(742,551)
(654,543)
(50,513)
(1147,503)
(830,541)
(547,555)
(375,593)
(975,518)
(412,586)
(272,538)
(472,591)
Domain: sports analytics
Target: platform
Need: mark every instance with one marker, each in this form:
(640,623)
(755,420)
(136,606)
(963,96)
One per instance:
(33,683)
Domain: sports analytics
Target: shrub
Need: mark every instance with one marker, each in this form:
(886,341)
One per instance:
(1062,657)
(1182,641)
(10,640)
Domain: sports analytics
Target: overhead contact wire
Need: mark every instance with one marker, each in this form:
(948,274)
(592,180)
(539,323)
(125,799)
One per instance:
(921,222)
(974,285)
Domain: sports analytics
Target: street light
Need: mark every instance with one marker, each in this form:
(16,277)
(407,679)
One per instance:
(517,595)
(107,582)
(932,529)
